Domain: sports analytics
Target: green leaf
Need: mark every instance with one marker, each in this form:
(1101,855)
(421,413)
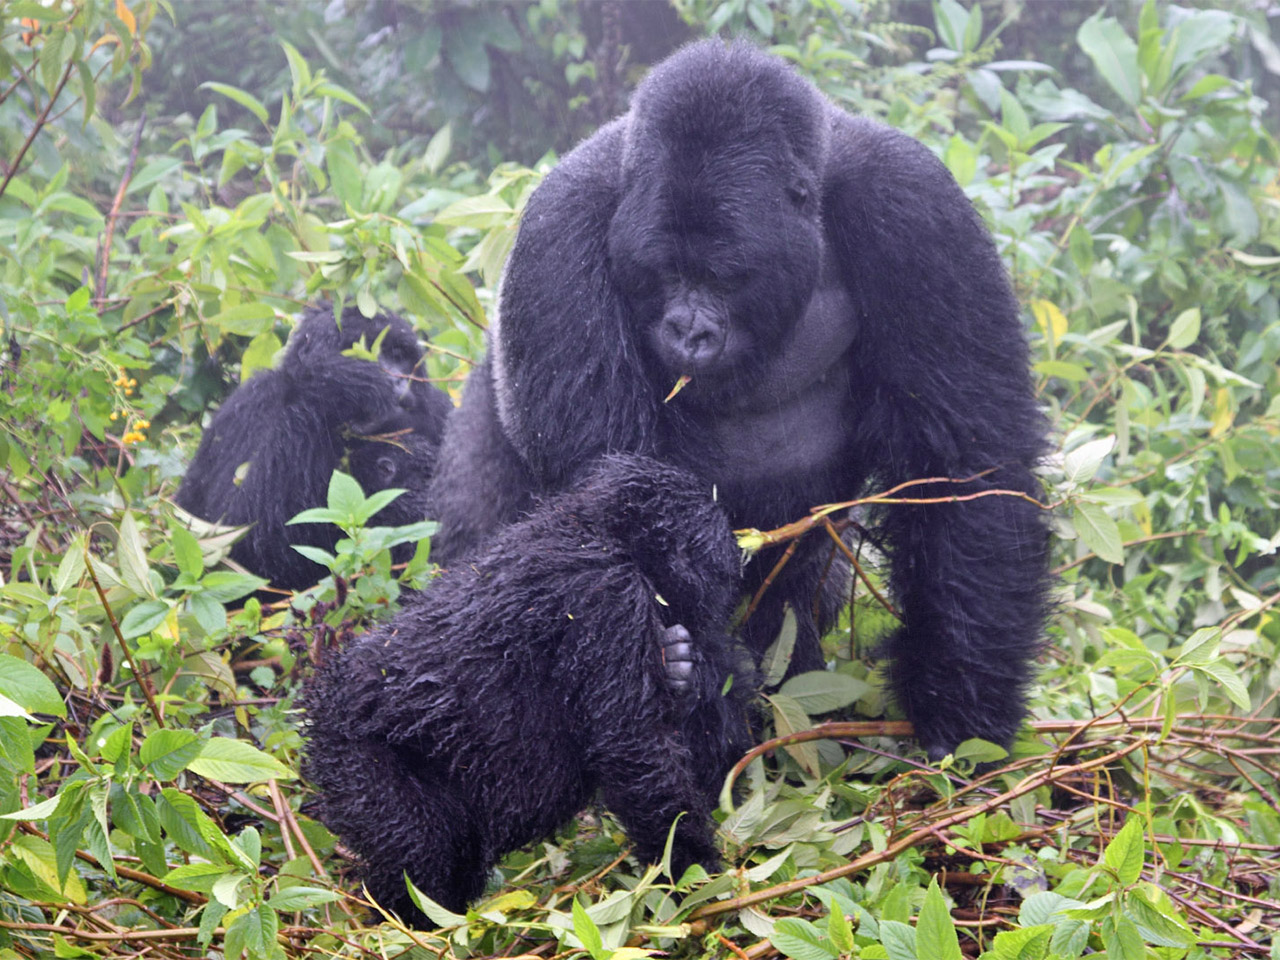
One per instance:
(345,496)
(773,667)
(899,940)
(1081,464)
(28,687)
(839,931)
(41,811)
(936,936)
(302,897)
(186,824)
(1098,531)
(166,753)
(186,551)
(1158,927)
(1185,329)
(588,933)
(1122,939)
(131,553)
(197,877)
(801,940)
(246,319)
(143,618)
(38,857)
(438,149)
(1115,55)
(821,691)
(436,913)
(1228,678)
(789,718)
(298,69)
(1124,854)
(234,761)
(246,100)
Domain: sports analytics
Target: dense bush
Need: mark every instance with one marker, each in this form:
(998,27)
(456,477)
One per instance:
(148,747)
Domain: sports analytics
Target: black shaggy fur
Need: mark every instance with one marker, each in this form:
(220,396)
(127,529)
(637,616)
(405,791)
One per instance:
(847,325)
(295,424)
(496,704)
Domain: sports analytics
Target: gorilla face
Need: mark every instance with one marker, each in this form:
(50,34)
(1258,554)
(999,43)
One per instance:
(717,254)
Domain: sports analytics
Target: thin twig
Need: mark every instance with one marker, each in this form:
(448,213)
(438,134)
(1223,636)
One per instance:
(108,234)
(36,127)
(142,679)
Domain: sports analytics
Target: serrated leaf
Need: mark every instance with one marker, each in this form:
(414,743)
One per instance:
(587,932)
(1124,854)
(1229,680)
(197,877)
(302,897)
(246,100)
(1199,648)
(801,940)
(1158,928)
(899,940)
(777,658)
(185,823)
(436,913)
(131,554)
(789,718)
(1081,464)
(1114,53)
(166,753)
(41,811)
(1185,329)
(144,617)
(821,691)
(1098,531)
(38,856)
(234,761)
(936,936)
(28,687)
(438,148)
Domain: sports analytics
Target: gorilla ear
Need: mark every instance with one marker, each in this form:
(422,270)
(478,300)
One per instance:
(386,470)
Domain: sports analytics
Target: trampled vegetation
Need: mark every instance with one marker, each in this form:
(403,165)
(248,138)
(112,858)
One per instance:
(149,800)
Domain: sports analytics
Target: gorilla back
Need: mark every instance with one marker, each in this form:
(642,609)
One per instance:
(844,319)
(269,451)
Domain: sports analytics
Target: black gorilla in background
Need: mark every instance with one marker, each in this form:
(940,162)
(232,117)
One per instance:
(846,323)
(501,698)
(292,426)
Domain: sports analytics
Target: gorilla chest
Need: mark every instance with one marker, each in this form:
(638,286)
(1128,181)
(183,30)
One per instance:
(772,460)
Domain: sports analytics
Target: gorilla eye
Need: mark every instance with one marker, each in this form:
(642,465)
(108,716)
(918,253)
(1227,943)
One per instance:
(798,193)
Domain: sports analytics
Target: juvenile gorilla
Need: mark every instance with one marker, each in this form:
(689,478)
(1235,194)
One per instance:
(846,323)
(508,692)
(292,426)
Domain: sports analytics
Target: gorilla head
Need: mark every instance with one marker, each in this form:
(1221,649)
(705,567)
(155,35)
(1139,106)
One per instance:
(717,238)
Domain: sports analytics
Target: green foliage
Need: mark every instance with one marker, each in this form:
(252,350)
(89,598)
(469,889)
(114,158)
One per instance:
(148,747)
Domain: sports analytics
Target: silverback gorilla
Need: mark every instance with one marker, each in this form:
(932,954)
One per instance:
(271,448)
(502,697)
(845,321)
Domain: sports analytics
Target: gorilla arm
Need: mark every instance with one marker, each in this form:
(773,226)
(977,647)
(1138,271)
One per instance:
(944,391)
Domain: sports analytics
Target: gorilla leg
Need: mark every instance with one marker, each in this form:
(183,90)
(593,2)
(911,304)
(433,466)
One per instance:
(401,819)
(647,782)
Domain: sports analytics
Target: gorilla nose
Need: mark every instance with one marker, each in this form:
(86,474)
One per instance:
(696,337)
